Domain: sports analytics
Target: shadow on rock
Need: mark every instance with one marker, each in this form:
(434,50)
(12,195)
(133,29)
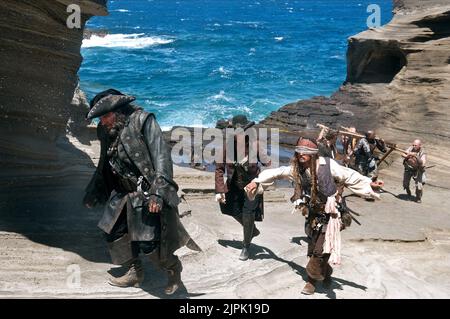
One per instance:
(336,284)
(404,197)
(156,281)
(45,205)
(298,240)
(261,252)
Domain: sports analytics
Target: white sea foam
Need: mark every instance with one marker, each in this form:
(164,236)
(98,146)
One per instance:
(158,104)
(224,73)
(338,57)
(247,110)
(251,24)
(262,101)
(222,70)
(221,96)
(247,22)
(132,41)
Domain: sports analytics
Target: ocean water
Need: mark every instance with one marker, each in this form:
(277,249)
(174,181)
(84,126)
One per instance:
(192,62)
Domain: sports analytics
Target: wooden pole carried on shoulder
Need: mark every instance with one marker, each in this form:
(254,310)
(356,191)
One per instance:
(347,131)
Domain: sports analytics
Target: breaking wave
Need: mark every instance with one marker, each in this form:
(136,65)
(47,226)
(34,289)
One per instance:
(131,41)
(221,97)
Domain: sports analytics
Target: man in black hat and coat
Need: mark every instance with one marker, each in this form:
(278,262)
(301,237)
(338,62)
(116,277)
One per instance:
(134,179)
(231,195)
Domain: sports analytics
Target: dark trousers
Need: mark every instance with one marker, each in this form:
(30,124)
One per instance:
(237,203)
(315,242)
(316,235)
(121,228)
(363,166)
(147,247)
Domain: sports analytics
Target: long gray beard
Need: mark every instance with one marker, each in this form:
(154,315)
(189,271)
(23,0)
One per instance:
(113,136)
(116,129)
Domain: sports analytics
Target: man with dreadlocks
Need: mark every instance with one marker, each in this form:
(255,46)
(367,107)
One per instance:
(134,178)
(316,195)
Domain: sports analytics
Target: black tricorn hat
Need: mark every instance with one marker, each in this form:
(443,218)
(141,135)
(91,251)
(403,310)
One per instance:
(108,101)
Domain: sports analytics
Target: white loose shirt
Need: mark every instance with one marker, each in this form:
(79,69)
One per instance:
(354,181)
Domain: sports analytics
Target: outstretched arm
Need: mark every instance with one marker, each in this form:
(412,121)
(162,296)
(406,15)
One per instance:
(354,181)
(268,177)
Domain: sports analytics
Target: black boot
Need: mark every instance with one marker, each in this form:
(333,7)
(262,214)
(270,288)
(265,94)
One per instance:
(248,221)
(174,279)
(132,278)
(256,231)
(244,253)
(418,195)
(154,257)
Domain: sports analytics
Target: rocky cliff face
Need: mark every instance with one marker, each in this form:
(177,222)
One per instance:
(411,56)
(40,58)
(407,6)
(398,81)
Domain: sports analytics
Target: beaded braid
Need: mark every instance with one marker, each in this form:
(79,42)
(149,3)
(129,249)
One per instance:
(298,193)
(298,190)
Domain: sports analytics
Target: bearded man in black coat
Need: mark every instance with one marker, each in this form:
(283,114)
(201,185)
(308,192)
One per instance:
(134,180)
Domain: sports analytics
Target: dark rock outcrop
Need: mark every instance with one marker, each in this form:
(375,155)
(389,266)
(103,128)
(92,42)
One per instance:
(88,33)
(408,6)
